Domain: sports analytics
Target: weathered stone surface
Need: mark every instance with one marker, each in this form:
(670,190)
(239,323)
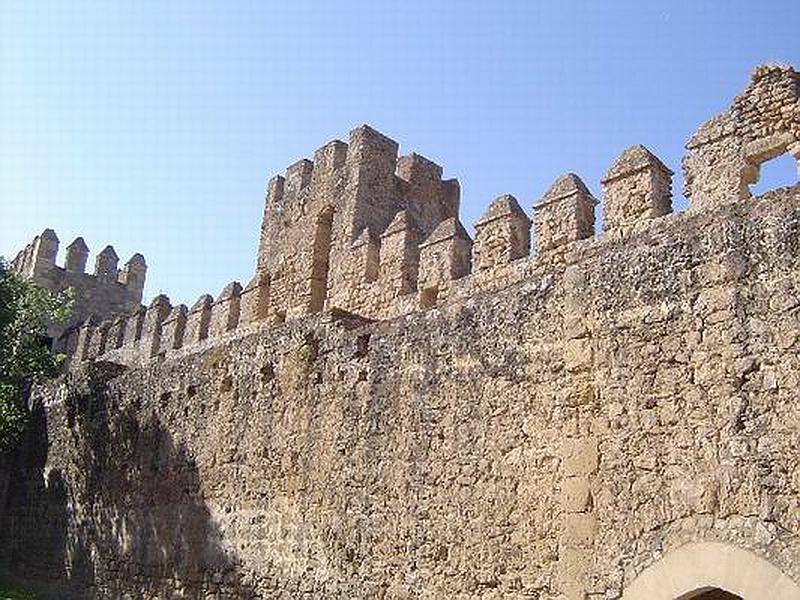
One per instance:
(554,427)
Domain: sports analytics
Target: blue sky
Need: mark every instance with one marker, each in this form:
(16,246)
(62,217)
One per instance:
(155,125)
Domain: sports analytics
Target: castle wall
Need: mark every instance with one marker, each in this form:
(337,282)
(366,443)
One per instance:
(547,426)
(554,437)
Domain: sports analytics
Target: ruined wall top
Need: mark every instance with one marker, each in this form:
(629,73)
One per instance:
(724,157)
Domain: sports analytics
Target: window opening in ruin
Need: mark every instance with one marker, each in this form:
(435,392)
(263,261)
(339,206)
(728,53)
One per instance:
(321,260)
(776,173)
(710,594)
(428,297)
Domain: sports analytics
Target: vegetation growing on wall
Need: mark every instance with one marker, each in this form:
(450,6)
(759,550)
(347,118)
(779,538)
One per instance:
(25,357)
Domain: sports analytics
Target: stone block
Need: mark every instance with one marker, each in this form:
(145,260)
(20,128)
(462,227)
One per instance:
(575,495)
(579,457)
(579,530)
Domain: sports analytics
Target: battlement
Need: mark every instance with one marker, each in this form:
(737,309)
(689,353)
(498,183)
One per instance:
(107,291)
(362,230)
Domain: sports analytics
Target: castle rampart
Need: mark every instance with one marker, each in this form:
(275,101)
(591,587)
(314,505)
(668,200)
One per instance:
(445,417)
(360,230)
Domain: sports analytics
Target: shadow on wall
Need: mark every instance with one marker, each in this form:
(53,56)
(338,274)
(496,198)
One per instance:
(123,518)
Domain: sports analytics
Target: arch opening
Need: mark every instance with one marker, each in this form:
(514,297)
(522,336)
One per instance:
(711,571)
(710,594)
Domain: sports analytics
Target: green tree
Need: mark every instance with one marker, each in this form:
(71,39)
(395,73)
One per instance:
(25,311)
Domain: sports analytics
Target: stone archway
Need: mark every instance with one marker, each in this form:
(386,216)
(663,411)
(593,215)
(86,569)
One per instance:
(712,594)
(701,570)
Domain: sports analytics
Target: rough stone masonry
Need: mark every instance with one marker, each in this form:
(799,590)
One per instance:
(391,409)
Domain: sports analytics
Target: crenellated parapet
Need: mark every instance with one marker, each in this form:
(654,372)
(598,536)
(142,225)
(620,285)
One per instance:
(106,292)
(225,310)
(362,231)
(161,330)
(173,328)
(444,257)
(198,320)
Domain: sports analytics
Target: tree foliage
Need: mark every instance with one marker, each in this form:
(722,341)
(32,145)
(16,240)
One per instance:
(25,359)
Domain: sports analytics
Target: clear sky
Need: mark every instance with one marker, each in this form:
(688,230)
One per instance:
(154,125)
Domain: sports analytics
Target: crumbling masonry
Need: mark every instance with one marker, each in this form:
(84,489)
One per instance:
(391,409)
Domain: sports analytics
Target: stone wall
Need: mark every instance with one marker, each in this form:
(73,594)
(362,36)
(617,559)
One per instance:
(549,426)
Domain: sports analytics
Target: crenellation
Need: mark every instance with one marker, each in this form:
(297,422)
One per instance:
(97,344)
(297,177)
(24,260)
(173,328)
(328,159)
(77,254)
(116,332)
(362,230)
(329,254)
(133,276)
(45,250)
(560,425)
(102,295)
(329,176)
(198,320)
(37,259)
(565,214)
(255,299)
(154,317)
(501,235)
(134,324)
(105,267)
(152,327)
(270,222)
(370,189)
(444,257)
(225,310)
(426,198)
(636,188)
(399,256)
